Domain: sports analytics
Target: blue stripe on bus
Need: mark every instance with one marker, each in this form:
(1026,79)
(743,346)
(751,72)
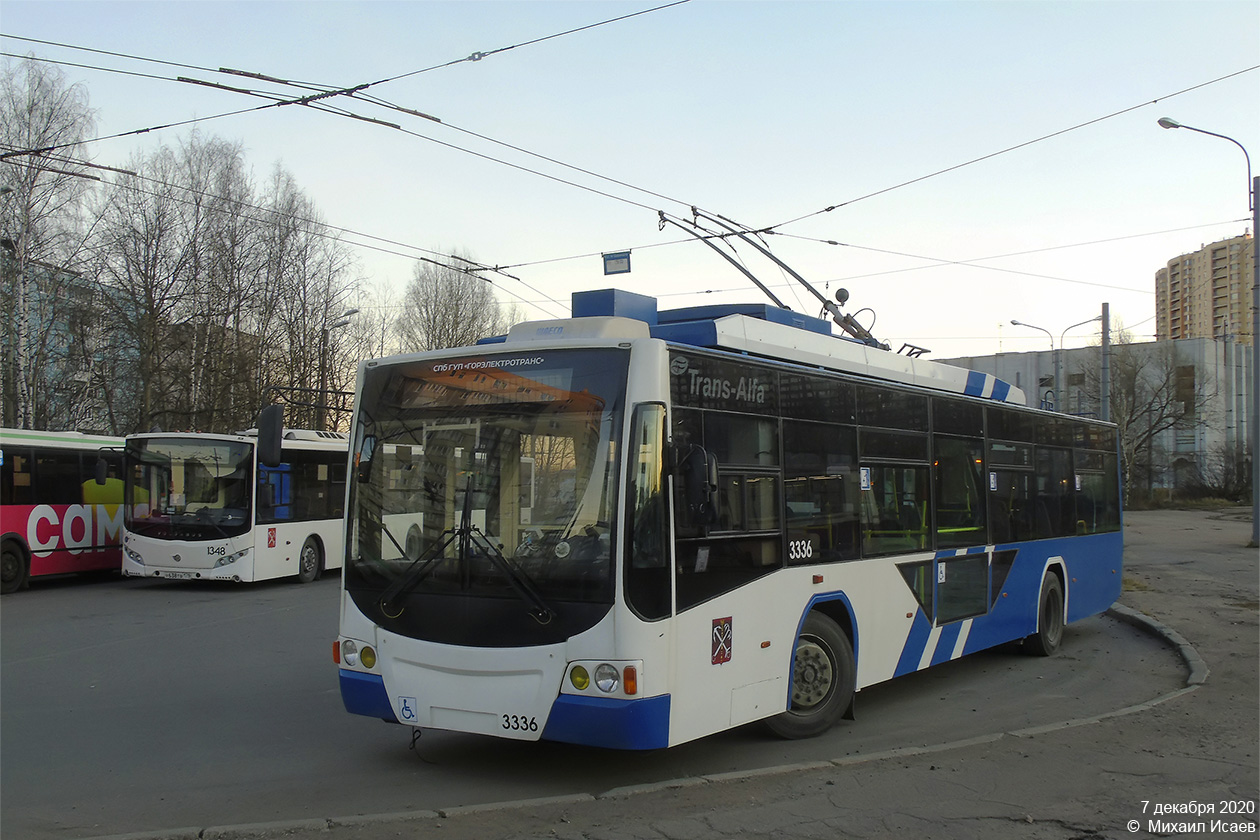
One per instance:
(945,643)
(1090,565)
(975,384)
(1001,390)
(364,694)
(915,644)
(610,722)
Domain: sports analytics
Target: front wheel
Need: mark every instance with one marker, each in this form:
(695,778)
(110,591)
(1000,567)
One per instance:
(1049,633)
(310,561)
(824,678)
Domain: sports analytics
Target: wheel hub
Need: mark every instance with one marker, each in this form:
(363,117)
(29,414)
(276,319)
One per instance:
(812,675)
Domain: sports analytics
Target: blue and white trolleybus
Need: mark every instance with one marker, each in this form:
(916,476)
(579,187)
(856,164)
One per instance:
(635,528)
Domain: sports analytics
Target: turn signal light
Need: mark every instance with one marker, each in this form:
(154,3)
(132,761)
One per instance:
(630,680)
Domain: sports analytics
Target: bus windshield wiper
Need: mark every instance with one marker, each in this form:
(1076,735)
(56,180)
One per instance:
(520,582)
(416,572)
(468,535)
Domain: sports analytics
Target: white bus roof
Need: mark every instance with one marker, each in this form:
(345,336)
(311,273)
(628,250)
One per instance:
(756,330)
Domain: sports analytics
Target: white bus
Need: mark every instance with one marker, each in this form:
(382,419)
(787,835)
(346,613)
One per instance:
(734,516)
(206,507)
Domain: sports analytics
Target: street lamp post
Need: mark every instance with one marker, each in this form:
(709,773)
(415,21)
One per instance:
(1057,353)
(321,407)
(1253,420)
(1053,355)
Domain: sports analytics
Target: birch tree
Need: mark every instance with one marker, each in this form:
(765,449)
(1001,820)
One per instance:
(43,185)
(447,306)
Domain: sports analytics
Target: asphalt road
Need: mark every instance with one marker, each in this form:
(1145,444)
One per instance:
(141,706)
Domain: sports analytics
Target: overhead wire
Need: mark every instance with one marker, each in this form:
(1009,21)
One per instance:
(273,212)
(1016,147)
(478,56)
(356,93)
(353,92)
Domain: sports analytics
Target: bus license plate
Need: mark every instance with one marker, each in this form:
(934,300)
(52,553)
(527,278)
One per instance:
(178,575)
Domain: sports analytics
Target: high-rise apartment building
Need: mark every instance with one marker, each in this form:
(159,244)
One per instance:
(1207,294)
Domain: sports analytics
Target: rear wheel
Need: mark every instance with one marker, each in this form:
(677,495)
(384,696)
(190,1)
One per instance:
(13,568)
(1049,633)
(824,678)
(310,561)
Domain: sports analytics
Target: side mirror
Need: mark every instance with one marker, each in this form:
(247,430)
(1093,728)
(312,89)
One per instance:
(271,436)
(699,470)
(101,471)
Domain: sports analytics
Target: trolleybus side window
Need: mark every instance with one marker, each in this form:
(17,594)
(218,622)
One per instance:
(896,494)
(817,398)
(1054,512)
(1097,488)
(821,491)
(744,539)
(1011,483)
(891,409)
(960,500)
(894,508)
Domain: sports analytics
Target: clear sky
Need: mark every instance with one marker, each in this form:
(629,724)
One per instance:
(763,112)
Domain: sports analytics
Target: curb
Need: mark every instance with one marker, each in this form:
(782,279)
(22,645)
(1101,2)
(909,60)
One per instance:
(1198,668)
(1197,675)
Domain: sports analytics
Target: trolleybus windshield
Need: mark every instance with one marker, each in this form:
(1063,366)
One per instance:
(483,495)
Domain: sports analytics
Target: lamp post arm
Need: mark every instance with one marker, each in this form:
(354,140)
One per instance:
(1251,195)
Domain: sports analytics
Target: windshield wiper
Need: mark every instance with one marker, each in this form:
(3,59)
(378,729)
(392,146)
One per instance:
(416,572)
(521,583)
(467,534)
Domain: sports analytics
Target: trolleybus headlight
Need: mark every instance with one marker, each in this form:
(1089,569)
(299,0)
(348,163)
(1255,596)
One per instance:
(606,678)
(368,657)
(349,653)
(580,678)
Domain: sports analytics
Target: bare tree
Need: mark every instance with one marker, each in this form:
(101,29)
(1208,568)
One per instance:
(224,277)
(175,300)
(447,306)
(1224,472)
(372,334)
(145,256)
(42,190)
(311,282)
(1153,396)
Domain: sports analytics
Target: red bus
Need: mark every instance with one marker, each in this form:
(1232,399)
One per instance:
(54,517)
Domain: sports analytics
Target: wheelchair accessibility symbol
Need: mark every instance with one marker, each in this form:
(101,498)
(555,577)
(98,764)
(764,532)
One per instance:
(407,708)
